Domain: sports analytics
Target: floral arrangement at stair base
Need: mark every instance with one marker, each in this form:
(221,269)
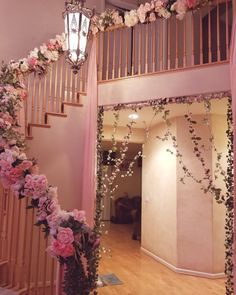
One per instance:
(73,242)
(148,12)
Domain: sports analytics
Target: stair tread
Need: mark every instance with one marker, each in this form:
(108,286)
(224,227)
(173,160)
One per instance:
(7,292)
(2,262)
(40,125)
(73,104)
(56,114)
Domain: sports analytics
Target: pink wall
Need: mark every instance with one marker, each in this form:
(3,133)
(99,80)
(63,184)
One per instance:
(59,151)
(167,84)
(181,226)
(26,24)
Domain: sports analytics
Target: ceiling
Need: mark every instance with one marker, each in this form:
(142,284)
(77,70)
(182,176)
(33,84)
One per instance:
(147,118)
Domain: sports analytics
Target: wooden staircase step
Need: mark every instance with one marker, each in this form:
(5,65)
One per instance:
(3,262)
(62,115)
(31,125)
(73,104)
(82,93)
(4,291)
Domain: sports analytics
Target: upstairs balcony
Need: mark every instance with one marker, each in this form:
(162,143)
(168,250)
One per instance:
(168,47)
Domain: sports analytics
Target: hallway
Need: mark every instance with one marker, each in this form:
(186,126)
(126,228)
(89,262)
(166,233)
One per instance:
(141,274)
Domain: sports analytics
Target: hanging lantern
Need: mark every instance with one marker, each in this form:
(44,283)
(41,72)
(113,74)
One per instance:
(77,24)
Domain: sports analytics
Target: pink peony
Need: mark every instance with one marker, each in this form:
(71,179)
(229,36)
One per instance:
(57,248)
(65,235)
(35,186)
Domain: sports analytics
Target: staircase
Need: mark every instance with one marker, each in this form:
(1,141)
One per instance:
(54,101)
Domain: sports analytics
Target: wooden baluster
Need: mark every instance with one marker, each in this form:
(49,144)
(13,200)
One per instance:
(11,243)
(66,82)
(218,30)
(201,37)
(161,44)
(209,36)
(2,221)
(37,253)
(39,106)
(17,217)
(139,48)
(227,28)
(55,108)
(71,85)
(45,267)
(133,53)
(176,44)
(185,47)
(24,242)
(192,40)
(168,43)
(153,28)
(101,45)
(30,253)
(8,225)
(26,106)
(44,100)
(146,48)
(52,279)
(108,55)
(50,98)
(114,55)
(120,53)
(61,94)
(76,97)
(33,101)
(127,52)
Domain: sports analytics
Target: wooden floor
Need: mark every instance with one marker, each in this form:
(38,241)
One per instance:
(143,275)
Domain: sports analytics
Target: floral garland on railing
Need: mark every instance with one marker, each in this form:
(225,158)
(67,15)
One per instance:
(148,12)
(73,242)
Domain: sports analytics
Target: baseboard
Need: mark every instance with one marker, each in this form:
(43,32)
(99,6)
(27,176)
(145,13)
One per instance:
(184,271)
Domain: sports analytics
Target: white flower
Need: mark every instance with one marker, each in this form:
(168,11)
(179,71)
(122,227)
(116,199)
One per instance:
(147,7)
(52,192)
(34,53)
(180,7)
(24,66)
(43,48)
(54,55)
(158,5)
(164,13)
(22,156)
(14,65)
(117,19)
(94,29)
(131,18)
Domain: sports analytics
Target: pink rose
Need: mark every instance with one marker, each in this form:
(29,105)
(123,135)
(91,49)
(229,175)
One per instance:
(79,215)
(65,235)
(59,249)
(191,3)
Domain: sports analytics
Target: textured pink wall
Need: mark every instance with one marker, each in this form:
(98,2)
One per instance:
(59,151)
(26,24)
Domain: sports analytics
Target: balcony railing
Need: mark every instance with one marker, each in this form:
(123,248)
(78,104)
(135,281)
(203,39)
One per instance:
(201,38)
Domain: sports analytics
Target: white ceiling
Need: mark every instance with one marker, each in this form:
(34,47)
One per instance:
(147,119)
